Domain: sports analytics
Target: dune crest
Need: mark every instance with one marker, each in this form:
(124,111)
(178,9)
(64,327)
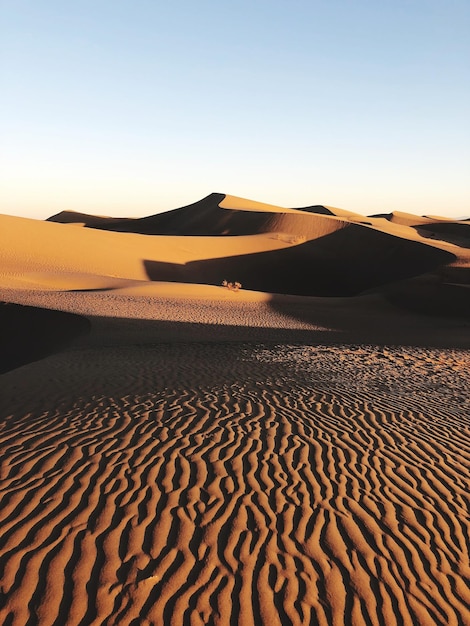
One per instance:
(315,251)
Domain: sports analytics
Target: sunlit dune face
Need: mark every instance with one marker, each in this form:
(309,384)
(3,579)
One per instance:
(315,251)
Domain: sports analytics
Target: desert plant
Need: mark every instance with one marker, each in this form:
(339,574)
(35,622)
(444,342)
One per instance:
(232,286)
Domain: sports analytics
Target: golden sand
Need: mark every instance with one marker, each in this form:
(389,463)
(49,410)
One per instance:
(175,452)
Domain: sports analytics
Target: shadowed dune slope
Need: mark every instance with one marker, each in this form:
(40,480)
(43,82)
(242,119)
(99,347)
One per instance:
(430,295)
(188,220)
(85,219)
(317,208)
(215,215)
(457,233)
(315,251)
(441,229)
(175,315)
(30,333)
(330,257)
(56,254)
(405,219)
(346,262)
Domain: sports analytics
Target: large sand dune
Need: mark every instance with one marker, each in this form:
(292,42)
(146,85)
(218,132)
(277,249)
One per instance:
(266,248)
(293,452)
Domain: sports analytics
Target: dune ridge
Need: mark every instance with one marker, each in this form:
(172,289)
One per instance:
(315,251)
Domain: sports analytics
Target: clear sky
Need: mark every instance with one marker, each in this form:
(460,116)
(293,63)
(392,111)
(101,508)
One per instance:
(131,107)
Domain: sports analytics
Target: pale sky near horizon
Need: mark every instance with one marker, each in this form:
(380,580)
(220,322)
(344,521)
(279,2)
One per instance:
(134,107)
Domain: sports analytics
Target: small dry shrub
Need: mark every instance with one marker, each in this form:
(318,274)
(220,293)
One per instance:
(235,286)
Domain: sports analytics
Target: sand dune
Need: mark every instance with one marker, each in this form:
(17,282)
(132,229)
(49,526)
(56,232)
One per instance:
(217,214)
(175,452)
(267,249)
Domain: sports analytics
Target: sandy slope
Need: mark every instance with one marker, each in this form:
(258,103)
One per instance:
(47,254)
(188,454)
(267,249)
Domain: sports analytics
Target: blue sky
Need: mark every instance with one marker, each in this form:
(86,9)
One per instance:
(133,107)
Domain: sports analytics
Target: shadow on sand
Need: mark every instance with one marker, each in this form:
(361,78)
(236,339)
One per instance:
(30,333)
(343,263)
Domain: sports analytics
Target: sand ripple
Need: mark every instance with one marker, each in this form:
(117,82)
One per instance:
(212,484)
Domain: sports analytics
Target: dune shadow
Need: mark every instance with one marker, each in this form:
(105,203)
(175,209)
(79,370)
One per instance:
(343,263)
(345,321)
(366,320)
(452,232)
(128,331)
(459,275)
(432,295)
(29,333)
(202,218)
(319,209)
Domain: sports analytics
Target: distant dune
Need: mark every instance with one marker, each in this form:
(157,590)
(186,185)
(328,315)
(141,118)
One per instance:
(363,273)
(235,413)
(314,251)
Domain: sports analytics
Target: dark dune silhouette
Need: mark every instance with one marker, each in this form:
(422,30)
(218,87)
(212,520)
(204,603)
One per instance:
(190,219)
(203,218)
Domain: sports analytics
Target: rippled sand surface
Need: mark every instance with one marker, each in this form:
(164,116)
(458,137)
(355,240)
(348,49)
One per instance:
(236,484)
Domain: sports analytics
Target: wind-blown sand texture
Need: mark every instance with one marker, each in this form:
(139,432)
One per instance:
(179,453)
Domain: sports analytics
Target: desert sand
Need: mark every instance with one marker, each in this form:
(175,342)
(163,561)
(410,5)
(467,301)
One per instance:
(293,451)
